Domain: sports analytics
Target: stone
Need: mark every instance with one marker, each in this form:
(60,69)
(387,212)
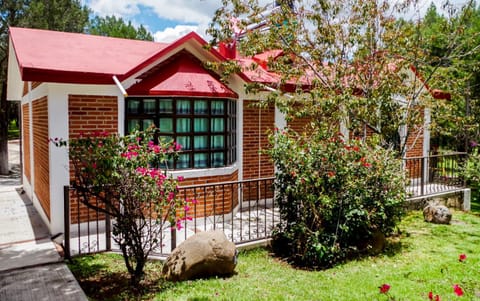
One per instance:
(437,214)
(202,255)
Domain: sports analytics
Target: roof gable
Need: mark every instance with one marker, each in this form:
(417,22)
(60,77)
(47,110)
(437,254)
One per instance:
(181,75)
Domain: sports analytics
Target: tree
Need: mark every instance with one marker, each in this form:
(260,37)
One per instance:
(356,56)
(113,27)
(65,15)
(345,63)
(457,60)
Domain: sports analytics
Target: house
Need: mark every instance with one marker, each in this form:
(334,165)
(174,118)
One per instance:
(71,83)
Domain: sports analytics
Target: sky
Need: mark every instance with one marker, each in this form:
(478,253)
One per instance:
(168,20)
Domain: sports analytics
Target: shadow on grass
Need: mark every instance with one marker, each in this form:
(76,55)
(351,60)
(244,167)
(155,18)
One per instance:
(104,277)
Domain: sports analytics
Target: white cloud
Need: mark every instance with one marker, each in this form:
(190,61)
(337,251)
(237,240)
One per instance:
(171,34)
(183,11)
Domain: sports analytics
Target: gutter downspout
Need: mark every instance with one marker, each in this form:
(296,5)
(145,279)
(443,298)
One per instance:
(119,85)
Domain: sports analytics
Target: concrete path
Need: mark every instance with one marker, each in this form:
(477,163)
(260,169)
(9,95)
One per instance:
(30,266)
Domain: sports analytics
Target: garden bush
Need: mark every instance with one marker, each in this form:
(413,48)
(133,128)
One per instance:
(334,196)
(125,177)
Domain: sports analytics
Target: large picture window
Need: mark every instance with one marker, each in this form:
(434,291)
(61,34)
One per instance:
(205,128)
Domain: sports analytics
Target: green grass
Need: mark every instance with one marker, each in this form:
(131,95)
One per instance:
(13,131)
(423,259)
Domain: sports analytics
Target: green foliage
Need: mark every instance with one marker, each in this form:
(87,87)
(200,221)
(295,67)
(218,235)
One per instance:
(449,41)
(122,177)
(112,27)
(354,55)
(334,196)
(471,170)
(61,15)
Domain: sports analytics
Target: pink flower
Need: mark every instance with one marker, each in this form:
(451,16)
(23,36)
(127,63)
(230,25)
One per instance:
(171,195)
(186,207)
(180,178)
(94,165)
(457,290)
(179,225)
(193,201)
(462,257)
(384,288)
(177,146)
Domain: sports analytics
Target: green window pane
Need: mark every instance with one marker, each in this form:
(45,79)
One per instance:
(217,125)
(200,142)
(217,159)
(183,161)
(200,107)
(165,106)
(183,106)
(184,141)
(200,160)
(147,123)
(218,107)
(165,125)
(149,106)
(183,125)
(133,106)
(133,124)
(168,164)
(200,125)
(217,142)
(165,139)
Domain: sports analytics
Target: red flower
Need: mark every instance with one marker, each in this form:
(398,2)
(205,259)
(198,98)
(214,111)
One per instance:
(331,174)
(431,297)
(462,257)
(384,288)
(457,290)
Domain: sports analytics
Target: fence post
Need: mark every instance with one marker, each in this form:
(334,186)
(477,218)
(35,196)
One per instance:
(173,236)
(108,233)
(66,221)
(422,179)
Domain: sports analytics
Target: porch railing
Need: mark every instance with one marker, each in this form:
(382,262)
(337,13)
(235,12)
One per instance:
(244,210)
(434,174)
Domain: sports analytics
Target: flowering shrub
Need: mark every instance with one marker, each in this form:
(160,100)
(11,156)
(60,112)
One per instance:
(334,196)
(124,176)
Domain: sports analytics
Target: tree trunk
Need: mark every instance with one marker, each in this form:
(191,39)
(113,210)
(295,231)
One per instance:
(4,170)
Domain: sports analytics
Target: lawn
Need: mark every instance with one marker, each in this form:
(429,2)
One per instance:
(423,258)
(13,131)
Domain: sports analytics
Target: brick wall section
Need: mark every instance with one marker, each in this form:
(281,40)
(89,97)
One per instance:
(41,152)
(89,113)
(299,125)
(26,141)
(255,124)
(34,85)
(211,199)
(415,148)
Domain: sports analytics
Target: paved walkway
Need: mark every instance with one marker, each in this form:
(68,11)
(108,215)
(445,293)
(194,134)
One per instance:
(30,266)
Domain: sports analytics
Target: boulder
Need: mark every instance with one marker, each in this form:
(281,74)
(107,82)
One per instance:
(204,254)
(437,214)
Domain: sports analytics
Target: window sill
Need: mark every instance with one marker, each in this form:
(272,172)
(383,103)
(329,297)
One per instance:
(206,172)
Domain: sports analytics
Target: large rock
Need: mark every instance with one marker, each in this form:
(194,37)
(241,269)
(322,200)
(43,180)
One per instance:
(202,255)
(437,214)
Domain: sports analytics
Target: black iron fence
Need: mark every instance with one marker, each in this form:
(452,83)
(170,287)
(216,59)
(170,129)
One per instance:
(244,210)
(434,174)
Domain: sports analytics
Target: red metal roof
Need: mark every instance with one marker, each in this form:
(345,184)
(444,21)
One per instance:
(182,76)
(52,56)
